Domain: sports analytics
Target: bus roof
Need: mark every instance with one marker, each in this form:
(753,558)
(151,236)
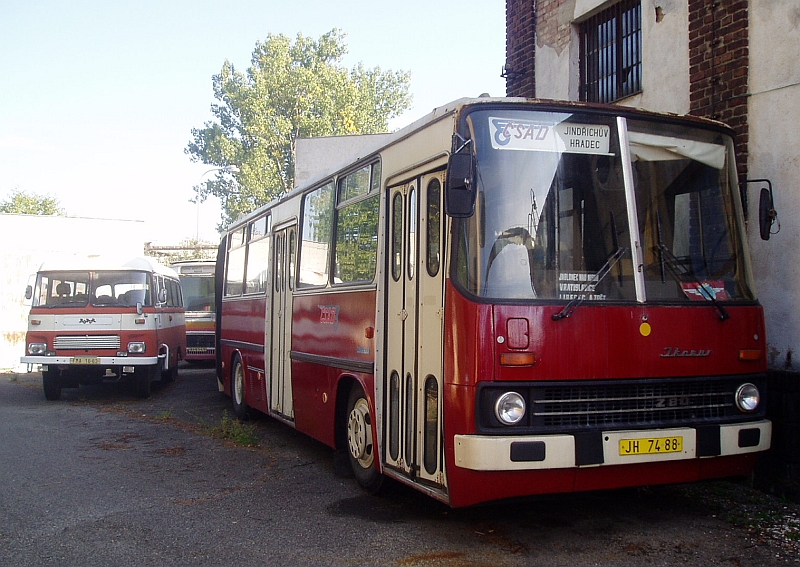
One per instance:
(106,263)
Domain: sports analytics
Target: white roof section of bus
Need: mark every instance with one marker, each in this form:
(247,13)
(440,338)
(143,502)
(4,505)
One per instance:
(106,263)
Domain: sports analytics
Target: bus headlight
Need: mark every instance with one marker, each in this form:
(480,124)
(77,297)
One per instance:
(509,408)
(747,397)
(37,348)
(137,347)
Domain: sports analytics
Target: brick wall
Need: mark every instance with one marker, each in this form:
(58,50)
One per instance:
(521,47)
(778,471)
(718,67)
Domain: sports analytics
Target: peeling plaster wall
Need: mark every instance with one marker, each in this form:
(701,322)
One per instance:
(665,51)
(774,142)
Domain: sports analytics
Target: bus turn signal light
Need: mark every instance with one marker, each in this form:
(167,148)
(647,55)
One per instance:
(749,354)
(517,359)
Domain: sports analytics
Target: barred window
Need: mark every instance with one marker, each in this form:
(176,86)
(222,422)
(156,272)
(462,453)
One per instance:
(611,53)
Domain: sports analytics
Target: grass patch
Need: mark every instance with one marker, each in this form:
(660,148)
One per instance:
(165,415)
(236,431)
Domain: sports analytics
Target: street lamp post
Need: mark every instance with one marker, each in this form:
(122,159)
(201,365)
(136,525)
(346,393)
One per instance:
(227,169)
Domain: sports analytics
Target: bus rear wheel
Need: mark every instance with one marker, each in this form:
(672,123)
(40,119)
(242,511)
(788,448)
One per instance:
(51,383)
(360,442)
(240,408)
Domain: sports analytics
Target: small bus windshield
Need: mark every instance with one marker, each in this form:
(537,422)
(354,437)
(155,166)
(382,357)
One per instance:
(99,289)
(198,293)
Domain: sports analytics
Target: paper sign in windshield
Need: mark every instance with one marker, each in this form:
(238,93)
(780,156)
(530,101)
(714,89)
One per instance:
(532,136)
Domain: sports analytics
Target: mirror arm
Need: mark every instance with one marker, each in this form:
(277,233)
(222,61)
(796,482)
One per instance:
(462,140)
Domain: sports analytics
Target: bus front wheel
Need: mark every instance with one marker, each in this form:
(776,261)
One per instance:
(143,375)
(51,383)
(240,408)
(360,443)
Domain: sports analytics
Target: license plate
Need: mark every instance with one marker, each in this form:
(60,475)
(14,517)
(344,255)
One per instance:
(84,360)
(650,446)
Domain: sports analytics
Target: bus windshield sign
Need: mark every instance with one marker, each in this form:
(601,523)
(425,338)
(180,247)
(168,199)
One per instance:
(539,136)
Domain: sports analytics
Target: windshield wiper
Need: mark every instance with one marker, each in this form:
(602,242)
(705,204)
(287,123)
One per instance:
(680,275)
(672,265)
(590,285)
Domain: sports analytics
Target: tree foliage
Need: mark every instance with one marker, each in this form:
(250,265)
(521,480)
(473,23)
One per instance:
(22,203)
(291,90)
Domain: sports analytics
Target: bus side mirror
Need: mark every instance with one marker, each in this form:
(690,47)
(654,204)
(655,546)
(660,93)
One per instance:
(162,295)
(766,213)
(461,189)
(28,292)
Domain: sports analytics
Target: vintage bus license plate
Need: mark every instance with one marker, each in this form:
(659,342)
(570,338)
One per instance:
(650,446)
(84,360)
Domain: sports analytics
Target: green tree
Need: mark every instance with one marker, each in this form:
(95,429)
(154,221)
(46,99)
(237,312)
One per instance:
(291,90)
(22,203)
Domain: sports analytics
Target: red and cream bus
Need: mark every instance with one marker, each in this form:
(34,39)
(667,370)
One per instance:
(99,319)
(508,297)
(197,284)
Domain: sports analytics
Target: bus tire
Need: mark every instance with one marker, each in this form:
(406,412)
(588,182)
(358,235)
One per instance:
(169,376)
(51,383)
(142,380)
(360,442)
(240,408)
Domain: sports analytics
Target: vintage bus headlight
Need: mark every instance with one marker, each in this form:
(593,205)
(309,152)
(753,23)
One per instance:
(37,348)
(747,397)
(137,347)
(509,408)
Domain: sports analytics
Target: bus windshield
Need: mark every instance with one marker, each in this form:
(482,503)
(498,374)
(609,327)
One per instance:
(554,213)
(100,289)
(198,293)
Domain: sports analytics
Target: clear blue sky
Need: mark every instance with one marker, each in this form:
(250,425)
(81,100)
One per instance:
(99,96)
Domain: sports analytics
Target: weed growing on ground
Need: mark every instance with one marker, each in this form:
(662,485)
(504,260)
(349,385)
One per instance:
(234,430)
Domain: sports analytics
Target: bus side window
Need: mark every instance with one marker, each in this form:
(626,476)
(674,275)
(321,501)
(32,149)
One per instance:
(234,270)
(316,237)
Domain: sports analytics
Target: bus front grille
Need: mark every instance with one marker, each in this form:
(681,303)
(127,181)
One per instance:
(632,404)
(590,405)
(86,342)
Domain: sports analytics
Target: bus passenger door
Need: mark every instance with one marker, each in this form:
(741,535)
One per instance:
(280,381)
(414,330)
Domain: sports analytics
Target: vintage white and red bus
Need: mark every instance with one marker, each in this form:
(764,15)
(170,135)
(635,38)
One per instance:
(508,297)
(197,284)
(96,319)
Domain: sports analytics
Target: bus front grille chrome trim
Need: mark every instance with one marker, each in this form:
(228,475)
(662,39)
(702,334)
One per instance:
(81,342)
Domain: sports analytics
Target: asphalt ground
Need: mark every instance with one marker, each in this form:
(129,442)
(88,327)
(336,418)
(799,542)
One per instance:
(102,478)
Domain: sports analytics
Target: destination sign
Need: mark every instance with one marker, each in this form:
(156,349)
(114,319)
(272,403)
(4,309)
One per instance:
(563,137)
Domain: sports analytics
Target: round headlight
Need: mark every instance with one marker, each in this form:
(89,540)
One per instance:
(747,397)
(509,408)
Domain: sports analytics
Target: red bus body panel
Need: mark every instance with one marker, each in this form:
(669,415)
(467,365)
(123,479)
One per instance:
(596,342)
(339,329)
(245,325)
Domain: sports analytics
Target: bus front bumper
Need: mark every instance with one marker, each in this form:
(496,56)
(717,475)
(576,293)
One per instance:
(538,452)
(91,360)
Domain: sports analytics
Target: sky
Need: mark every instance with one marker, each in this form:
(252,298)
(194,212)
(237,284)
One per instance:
(98,97)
